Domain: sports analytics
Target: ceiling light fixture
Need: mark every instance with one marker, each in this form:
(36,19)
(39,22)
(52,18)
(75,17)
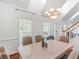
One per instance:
(53,13)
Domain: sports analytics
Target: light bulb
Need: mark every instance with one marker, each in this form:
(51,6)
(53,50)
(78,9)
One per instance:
(53,17)
(58,9)
(46,12)
(52,9)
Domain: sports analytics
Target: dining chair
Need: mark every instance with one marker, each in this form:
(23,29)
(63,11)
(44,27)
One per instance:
(73,55)
(3,53)
(27,40)
(50,37)
(38,38)
(69,51)
(64,39)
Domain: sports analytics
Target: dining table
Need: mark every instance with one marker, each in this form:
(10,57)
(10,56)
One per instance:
(55,50)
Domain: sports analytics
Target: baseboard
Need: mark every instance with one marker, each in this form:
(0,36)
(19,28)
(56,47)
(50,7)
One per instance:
(8,39)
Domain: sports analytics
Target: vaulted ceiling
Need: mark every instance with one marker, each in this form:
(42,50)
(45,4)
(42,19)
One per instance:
(20,3)
(69,7)
(37,5)
(73,14)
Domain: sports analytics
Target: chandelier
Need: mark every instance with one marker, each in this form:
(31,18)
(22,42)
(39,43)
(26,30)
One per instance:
(53,13)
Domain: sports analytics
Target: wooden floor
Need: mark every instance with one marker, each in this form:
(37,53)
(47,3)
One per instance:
(14,56)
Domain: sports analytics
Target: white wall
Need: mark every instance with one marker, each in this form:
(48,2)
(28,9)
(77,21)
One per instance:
(11,45)
(56,27)
(8,22)
(9,25)
(75,43)
(37,25)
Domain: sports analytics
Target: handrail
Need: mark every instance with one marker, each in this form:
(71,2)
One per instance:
(71,26)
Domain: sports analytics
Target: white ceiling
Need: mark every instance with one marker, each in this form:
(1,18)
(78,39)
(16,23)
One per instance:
(53,4)
(69,7)
(20,3)
(37,5)
(69,17)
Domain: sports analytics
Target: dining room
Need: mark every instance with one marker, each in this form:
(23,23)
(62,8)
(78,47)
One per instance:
(39,29)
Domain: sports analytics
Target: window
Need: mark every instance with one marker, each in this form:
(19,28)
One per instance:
(76,32)
(25,26)
(46,27)
(25,29)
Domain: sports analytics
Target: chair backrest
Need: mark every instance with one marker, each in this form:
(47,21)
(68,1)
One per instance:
(38,38)
(27,40)
(64,39)
(73,55)
(3,53)
(50,37)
